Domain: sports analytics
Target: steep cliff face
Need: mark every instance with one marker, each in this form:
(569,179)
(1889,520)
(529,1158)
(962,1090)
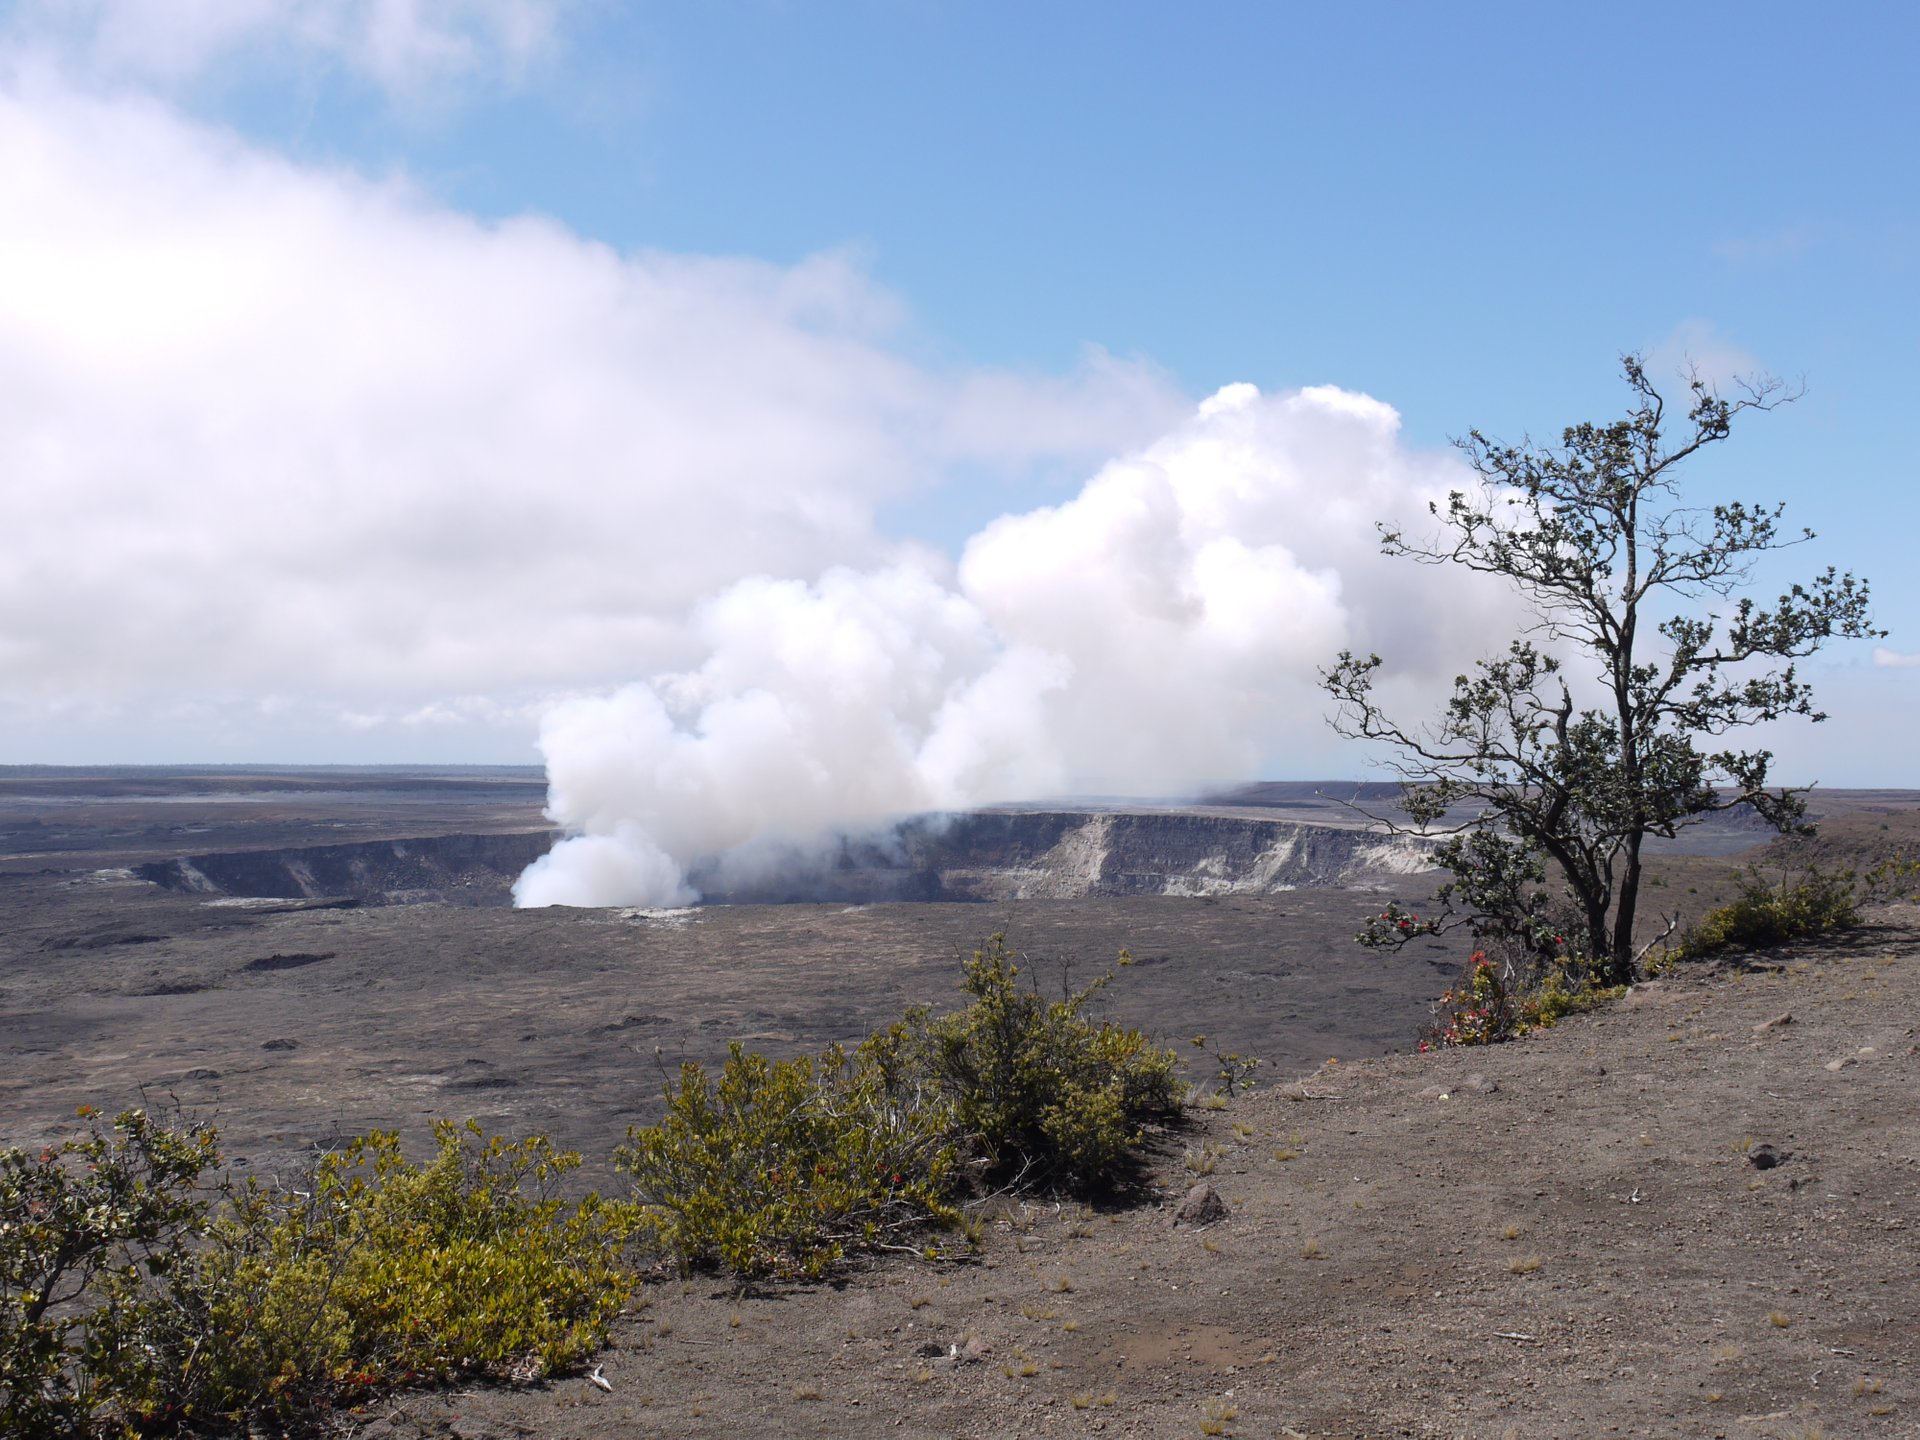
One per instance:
(1016,855)
(984,856)
(435,869)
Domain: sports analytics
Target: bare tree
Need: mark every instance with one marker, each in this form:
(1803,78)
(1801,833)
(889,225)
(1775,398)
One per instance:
(1594,537)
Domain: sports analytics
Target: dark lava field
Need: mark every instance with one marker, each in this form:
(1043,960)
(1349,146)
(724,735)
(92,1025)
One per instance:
(414,992)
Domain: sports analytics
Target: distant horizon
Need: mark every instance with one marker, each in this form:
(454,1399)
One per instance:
(15,769)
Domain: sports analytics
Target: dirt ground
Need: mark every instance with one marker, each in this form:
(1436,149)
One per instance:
(1566,1237)
(293,1025)
(1569,1236)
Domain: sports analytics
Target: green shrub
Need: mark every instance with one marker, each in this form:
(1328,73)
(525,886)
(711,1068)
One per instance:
(1493,1003)
(1048,1096)
(1551,1000)
(784,1167)
(1480,1010)
(139,1300)
(1766,914)
(94,1235)
(382,1273)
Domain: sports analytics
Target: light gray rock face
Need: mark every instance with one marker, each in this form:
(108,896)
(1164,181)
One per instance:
(985,855)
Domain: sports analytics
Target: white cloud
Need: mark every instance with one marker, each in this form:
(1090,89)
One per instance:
(1894,659)
(404,47)
(273,430)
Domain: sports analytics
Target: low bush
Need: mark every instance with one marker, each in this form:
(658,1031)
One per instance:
(1479,1010)
(138,1299)
(1767,913)
(1047,1095)
(782,1167)
(1548,1001)
(789,1166)
(1493,1002)
(96,1235)
(381,1272)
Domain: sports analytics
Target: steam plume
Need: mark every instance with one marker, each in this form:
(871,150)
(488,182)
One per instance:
(1158,632)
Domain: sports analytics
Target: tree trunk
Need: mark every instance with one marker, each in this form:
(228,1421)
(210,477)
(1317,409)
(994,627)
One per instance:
(1624,913)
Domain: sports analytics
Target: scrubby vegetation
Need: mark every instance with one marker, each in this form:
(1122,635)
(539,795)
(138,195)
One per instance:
(1768,912)
(1043,1094)
(1495,1001)
(787,1167)
(97,1238)
(383,1272)
(783,1166)
(141,1296)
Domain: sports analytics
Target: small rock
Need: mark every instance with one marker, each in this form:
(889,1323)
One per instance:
(976,1349)
(1479,1083)
(1203,1206)
(280,1042)
(1432,1092)
(1784,1018)
(1842,1063)
(201,1074)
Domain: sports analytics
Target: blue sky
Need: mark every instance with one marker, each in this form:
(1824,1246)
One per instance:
(1092,215)
(1463,212)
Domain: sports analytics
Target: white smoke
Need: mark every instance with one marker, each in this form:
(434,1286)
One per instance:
(1160,631)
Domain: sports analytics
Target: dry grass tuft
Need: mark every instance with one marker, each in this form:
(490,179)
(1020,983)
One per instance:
(1216,1416)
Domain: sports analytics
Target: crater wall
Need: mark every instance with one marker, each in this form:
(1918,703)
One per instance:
(978,856)
(474,870)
